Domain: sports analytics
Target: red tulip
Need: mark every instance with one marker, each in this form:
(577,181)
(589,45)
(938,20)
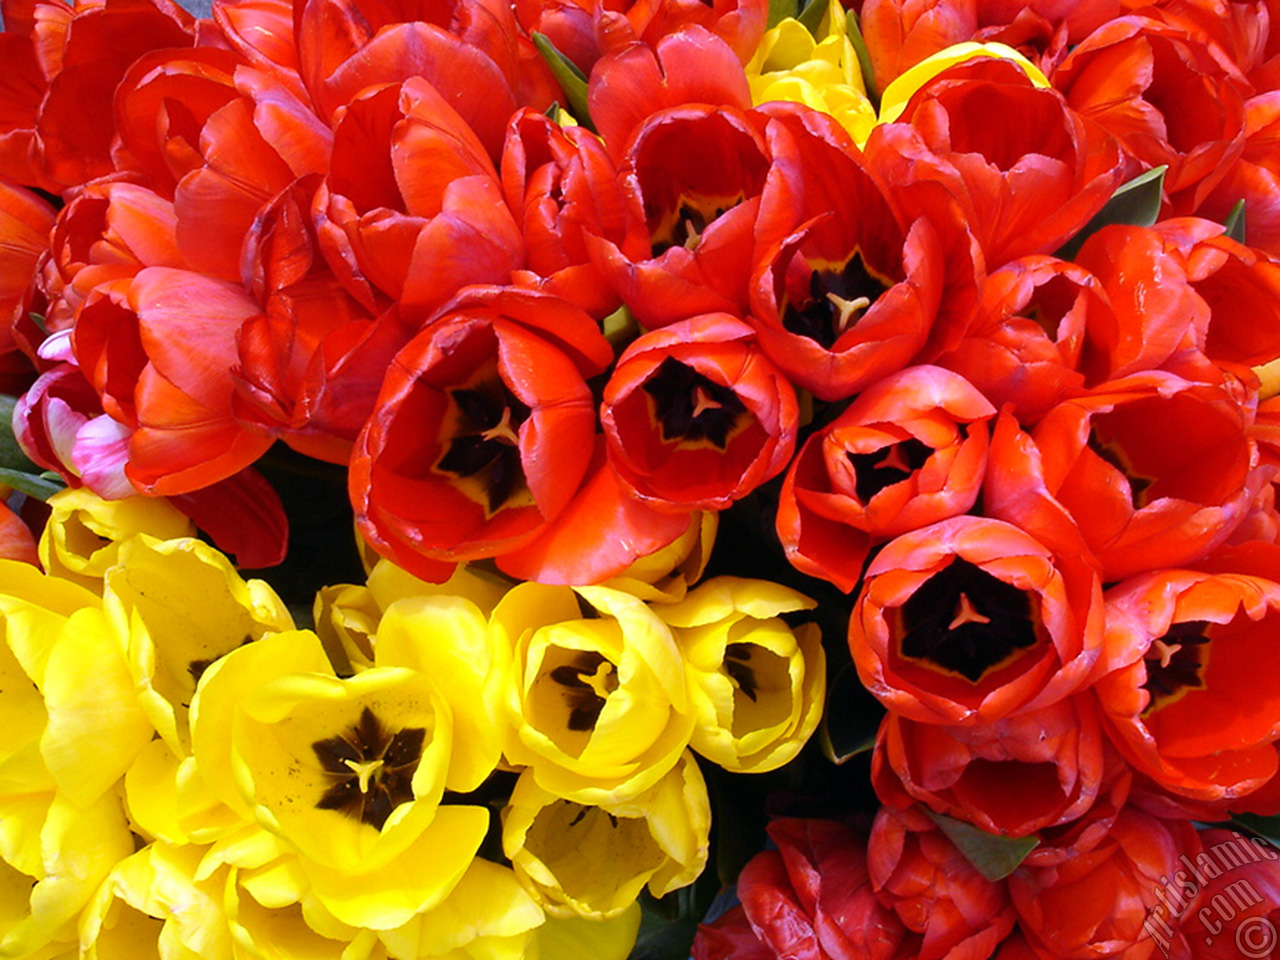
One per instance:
(901,33)
(811,899)
(25,221)
(85,52)
(562,186)
(970,620)
(1029,333)
(312,363)
(695,417)
(48,418)
(1025,185)
(16,540)
(231,140)
(1167,96)
(1019,775)
(411,208)
(1237,906)
(1097,905)
(909,451)
(1182,652)
(482,433)
(1154,313)
(469,50)
(934,890)
(848,296)
(601,531)
(697,172)
(1255,176)
(159,349)
(110,231)
(1139,473)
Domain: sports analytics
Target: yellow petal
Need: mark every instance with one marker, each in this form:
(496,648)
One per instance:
(447,639)
(82,537)
(895,96)
(182,605)
(572,938)
(96,724)
(488,914)
(391,894)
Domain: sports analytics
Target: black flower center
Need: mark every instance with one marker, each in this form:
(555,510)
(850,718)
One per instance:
(685,226)
(837,299)
(486,443)
(691,406)
(1111,451)
(587,682)
(965,621)
(1175,663)
(888,465)
(371,769)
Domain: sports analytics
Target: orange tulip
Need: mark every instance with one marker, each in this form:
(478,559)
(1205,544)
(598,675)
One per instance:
(411,209)
(695,417)
(909,451)
(1094,906)
(1166,94)
(1140,473)
(970,620)
(482,433)
(934,890)
(1182,654)
(1019,775)
(159,349)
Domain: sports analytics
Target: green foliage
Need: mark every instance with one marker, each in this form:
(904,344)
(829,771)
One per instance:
(1136,203)
(993,856)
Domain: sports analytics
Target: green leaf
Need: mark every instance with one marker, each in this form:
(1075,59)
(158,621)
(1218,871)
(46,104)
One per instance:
(1136,203)
(11,455)
(810,15)
(851,718)
(1266,827)
(854,31)
(1235,225)
(780,10)
(572,80)
(993,856)
(41,486)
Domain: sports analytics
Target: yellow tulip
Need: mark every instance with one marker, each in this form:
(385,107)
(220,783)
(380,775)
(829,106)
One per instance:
(180,605)
(758,686)
(488,916)
(82,537)
(572,938)
(593,861)
(821,72)
(152,905)
(347,772)
(599,704)
(665,575)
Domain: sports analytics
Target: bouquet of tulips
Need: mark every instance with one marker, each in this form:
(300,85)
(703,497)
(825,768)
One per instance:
(746,479)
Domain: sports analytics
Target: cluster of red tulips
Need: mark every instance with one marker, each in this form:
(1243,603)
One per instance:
(553,286)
